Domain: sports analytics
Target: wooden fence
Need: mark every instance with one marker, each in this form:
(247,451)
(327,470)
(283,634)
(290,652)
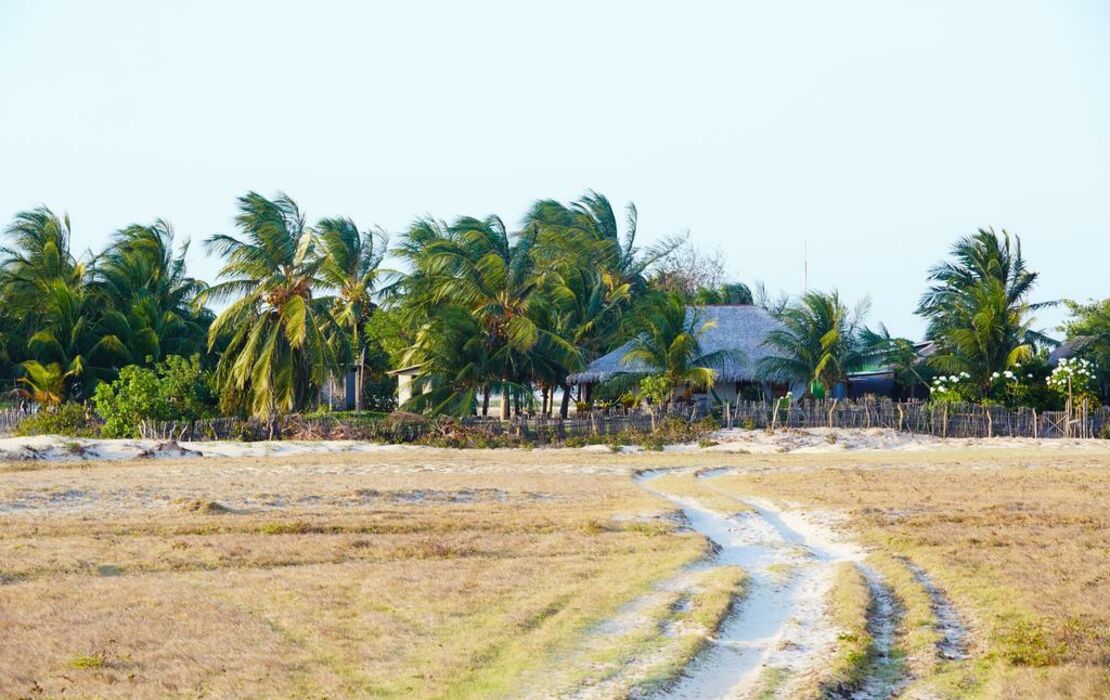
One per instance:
(942,420)
(538,429)
(9,417)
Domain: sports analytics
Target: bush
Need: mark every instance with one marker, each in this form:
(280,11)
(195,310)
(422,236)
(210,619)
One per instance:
(69,419)
(174,390)
(1105,432)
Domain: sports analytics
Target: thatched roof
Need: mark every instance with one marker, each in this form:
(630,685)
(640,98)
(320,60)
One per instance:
(737,328)
(1069,349)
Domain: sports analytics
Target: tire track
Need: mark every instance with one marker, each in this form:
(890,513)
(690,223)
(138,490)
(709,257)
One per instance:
(782,625)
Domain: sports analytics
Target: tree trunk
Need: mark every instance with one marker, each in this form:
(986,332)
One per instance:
(360,377)
(505,399)
(485,401)
(564,408)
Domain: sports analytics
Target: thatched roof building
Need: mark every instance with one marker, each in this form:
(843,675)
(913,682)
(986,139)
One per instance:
(737,328)
(1069,349)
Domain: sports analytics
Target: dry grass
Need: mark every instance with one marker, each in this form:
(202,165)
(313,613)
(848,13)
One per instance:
(1018,541)
(849,601)
(313,577)
(688,485)
(464,573)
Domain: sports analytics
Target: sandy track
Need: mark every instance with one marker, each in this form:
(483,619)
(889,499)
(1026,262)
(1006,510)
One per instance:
(782,627)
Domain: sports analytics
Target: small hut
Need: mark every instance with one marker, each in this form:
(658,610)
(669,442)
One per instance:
(742,329)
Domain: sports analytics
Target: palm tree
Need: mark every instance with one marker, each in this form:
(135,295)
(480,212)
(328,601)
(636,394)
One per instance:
(668,343)
(985,333)
(351,265)
(978,309)
(277,355)
(60,319)
(585,307)
(147,282)
(592,218)
(36,254)
(898,354)
(477,265)
(452,351)
(595,272)
(43,384)
(817,343)
(79,332)
(732,293)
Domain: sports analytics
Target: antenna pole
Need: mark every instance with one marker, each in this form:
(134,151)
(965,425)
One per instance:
(805,265)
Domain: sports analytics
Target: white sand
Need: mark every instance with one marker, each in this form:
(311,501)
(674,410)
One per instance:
(55,448)
(814,441)
(791,560)
(829,440)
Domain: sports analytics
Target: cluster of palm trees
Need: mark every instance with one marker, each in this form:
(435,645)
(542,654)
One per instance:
(66,323)
(300,300)
(980,323)
(515,313)
(480,310)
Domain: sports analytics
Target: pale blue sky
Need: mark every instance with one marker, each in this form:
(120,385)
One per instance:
(878,131)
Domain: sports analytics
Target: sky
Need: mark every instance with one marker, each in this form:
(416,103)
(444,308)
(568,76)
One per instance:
(866,136)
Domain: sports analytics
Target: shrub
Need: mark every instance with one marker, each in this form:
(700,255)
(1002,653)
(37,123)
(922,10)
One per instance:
(952,389)
(1105,432)
(69,419)
(176,389)
(653,443)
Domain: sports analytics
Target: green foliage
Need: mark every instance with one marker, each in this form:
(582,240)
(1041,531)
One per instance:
(897,354)
(483,310)
(655,388)
(732,293)
(146,282)
(819,341)
(176,389)
(278,335)
(1089,332)
(952,389)
(85,661)
(1074,380)
(978,309)
(667,341)
(69,420)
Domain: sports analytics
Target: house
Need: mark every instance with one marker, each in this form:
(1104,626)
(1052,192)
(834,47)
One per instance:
(741,329)
(405,377)
(1070,349)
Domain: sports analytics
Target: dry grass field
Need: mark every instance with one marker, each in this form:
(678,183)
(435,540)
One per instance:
(1020,543)
(435,573)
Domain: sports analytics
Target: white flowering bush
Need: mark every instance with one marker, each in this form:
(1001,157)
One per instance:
(1074,378)
(951,388)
